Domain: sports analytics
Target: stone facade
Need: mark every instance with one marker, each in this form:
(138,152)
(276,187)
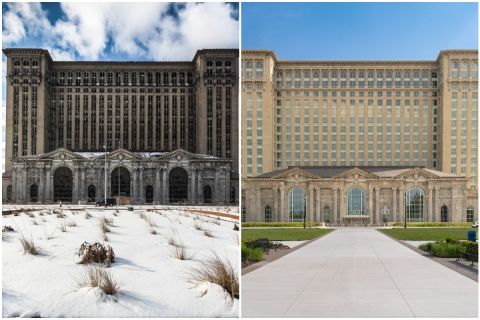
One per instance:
(326,190)
(137,106)
(147,177)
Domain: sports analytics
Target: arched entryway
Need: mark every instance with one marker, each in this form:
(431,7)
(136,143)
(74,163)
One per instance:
(9,192)
(149,194)
(444,214)
(178,185)
(91,193)
(120,185)
(207,194)
(33,193)
(62,185)
(233,195)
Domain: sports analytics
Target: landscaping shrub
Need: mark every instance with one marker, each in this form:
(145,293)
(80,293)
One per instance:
(96,253)
(433,224)
(471,250)
(218,271)
(447,250)
(427,247)
(277,224)
(251,255)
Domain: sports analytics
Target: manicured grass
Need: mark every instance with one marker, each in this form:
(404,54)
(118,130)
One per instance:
(276,224)
(433,224)
(425,234)
(283,234)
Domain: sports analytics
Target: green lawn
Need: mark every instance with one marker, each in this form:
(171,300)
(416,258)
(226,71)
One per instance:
(283,234)
(425,234)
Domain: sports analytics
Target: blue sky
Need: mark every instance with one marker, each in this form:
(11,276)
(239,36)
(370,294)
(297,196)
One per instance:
(358,31)
(117,31)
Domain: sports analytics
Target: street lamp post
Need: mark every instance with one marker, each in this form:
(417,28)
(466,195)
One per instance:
(105,188)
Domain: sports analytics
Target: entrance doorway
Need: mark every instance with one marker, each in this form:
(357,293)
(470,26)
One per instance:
(178,185)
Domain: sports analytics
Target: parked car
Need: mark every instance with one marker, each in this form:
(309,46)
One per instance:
(475,224)
(110,202)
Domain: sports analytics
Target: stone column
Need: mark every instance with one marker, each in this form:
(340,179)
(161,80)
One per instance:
(192,187)
(216,189)
(135,189)
(51,184)
(334,212)
(318,209)
(311,209)
(430,209)
(283,213)
(342,204)
(436,212)
(14,184)
(142,189)
(25,188)
(275,212)
(395,213)
(401,204)
(75,185)
(377,205)
(82,191)
(227,186)
(165,186)
(259,211)
(41,189)
(370,205)
(199,187)
(157,191)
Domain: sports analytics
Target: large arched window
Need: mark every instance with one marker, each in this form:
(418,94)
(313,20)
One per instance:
(470,214)
(33,193)
(326,214)
(120,182)
(444,214)
(268,214)
(297,204)
(414,199)
(356,202)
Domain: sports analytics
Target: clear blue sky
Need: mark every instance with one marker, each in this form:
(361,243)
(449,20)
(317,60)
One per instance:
(358,31)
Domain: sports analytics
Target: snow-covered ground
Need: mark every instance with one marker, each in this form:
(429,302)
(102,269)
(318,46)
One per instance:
(153,282)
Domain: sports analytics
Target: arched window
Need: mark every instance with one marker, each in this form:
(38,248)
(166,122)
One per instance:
(174,78)
(444,214)
(326,214)
(414,199)
(149,194)
(149,79)
(91,193)
(134,78)
(158,78)
(142,78)
(125,78)
(356,202)
(118,78)
(166,78)
(470,214)
(268,214)
(110,78)
(102,78)
(297,204)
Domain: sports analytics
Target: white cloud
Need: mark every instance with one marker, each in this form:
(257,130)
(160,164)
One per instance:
(142,30)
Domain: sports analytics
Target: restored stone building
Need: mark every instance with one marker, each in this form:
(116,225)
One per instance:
(141,107)
(144,177)
(357,196)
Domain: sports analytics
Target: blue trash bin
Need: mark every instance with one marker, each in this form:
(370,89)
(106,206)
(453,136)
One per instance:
(472,236)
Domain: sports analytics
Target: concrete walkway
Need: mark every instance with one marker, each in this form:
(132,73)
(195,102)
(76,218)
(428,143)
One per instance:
(357,273)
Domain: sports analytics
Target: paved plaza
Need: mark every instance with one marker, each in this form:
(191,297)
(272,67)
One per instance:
(357,273)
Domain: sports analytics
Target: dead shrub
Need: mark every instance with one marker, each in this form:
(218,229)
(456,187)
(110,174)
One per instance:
(7,229)
(29,246)
(97,277)
(104,227)
(96,253)
(218,271)
(208,233)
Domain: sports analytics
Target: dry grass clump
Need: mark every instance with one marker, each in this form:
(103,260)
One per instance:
(142,215)
(97,277)
(87,215)
(104,227)
(34,222)
(60,215)
(63,227)
(7,229)
(96,253)
(235,227)
(107,221)
(31,215)
(29,246)
(153,231)
(208,233)
(198,226)
(43,219)
(181,253)
(173,241)
(104,237)
(15,214)
(72,223)
(218,271)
